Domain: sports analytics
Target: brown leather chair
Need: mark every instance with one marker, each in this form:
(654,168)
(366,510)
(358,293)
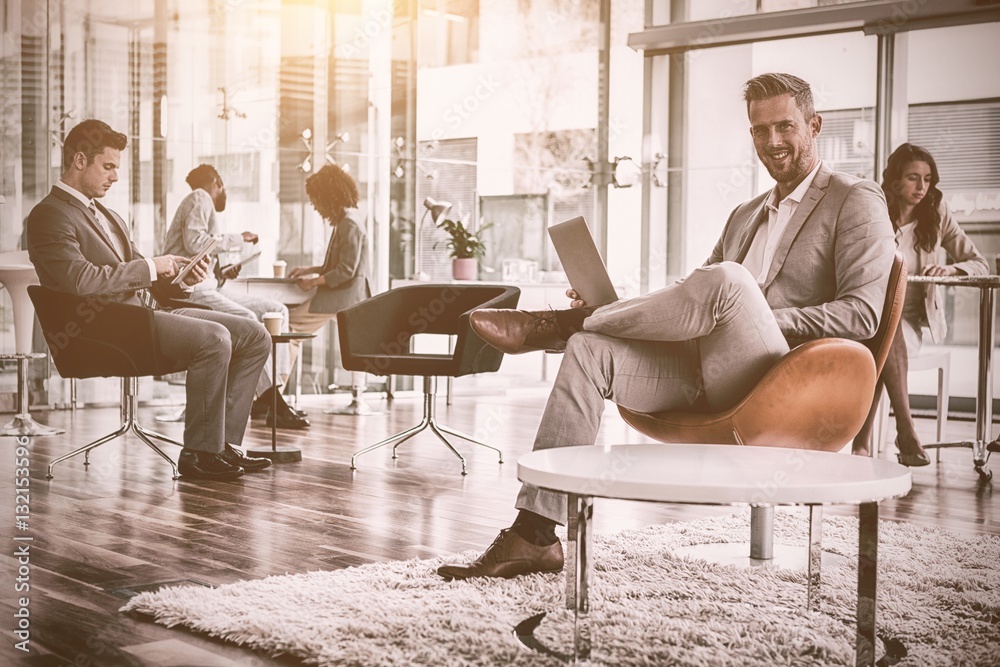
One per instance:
(817,397)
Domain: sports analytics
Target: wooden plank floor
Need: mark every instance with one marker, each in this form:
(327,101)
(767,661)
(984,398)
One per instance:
(123,523)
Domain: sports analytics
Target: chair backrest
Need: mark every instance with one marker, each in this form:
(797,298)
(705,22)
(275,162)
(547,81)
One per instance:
(892,309)
(375,334)
(93,337)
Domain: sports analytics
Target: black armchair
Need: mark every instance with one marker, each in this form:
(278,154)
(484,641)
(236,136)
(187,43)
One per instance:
(375,338)
(92,337)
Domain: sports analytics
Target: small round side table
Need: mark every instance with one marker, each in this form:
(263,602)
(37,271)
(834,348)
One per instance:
(278,453)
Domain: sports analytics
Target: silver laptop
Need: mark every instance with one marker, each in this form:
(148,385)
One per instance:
(582,262)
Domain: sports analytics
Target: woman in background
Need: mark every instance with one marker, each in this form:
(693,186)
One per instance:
(924,226)
(342,279)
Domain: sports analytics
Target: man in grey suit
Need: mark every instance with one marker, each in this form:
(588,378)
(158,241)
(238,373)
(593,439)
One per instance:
(80,247)
(809,259)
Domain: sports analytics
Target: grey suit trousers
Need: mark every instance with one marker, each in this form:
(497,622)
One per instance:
(253,308)
(205,342)
(710,333)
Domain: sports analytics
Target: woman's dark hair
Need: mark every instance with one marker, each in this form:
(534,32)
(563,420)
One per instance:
(926,213)
(90,137)
(331,191)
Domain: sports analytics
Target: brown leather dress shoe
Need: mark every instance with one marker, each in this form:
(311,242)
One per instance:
(517,331)
(509,556)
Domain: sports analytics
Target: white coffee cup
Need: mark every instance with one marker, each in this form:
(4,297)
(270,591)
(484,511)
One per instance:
(279,268)
(272,322)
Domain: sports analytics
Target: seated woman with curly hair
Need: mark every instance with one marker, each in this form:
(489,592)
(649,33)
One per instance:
(342,279)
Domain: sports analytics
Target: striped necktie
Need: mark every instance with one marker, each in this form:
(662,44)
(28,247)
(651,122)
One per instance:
(145,296)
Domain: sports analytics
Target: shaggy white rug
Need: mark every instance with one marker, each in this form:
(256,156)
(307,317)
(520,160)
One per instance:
(939,594)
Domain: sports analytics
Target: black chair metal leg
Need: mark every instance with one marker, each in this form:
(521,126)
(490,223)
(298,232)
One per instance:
(428,421)
(129,424)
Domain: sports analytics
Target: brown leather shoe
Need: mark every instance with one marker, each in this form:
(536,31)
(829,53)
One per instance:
(517,331)
(509,556)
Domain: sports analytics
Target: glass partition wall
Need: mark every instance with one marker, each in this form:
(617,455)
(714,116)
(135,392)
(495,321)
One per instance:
(517,114)
(264,90)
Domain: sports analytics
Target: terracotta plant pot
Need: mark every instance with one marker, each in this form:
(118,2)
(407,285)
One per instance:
(464,269)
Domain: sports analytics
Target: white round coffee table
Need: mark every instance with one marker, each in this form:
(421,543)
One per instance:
(719,475)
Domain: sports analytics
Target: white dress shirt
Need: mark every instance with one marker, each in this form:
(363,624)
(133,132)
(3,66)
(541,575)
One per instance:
(761,253)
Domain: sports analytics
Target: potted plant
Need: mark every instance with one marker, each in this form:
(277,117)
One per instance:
(465,248)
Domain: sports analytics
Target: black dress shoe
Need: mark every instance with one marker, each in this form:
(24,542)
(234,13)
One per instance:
(288,420)
(262,406)
(194,464)
(236,457)
(510,555)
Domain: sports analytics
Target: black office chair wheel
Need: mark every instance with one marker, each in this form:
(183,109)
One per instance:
(985,474)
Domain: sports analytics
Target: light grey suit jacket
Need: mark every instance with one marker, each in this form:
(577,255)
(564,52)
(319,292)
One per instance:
(831,269)
(345,268)
(71,253)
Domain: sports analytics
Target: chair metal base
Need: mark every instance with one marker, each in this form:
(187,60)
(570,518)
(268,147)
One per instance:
(129,424)
(428,421)
(22,425)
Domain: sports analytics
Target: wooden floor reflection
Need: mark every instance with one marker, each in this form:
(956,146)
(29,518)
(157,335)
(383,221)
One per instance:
(124,523)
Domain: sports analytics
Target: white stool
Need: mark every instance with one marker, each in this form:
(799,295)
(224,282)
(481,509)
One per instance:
(16,273)
(928,359)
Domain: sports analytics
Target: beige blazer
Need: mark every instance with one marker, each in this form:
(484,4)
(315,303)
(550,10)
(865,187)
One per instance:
(831,269)
(966,258)
(345,268)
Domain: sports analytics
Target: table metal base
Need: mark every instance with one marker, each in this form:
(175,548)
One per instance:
(580,566)
(980,454)
(358,407)
(22,425)
(172,417)
(785,557)
(278,453)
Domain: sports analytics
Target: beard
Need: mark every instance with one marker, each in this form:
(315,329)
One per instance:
(220,202)
(797,167)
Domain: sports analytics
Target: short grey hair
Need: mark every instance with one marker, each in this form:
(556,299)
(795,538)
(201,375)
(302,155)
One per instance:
(773,84)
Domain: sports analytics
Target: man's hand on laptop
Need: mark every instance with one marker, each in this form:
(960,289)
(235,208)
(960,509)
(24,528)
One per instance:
(575,300)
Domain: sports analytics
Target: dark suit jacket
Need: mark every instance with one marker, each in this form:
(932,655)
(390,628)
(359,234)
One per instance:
(71,253)
(345,269)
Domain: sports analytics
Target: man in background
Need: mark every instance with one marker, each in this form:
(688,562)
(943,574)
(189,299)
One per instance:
(193,226)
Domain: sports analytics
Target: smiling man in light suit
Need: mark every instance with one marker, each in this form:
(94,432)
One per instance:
(808,259)
(80,247)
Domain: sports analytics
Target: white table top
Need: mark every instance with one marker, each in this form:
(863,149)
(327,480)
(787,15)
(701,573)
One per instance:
(714,474)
